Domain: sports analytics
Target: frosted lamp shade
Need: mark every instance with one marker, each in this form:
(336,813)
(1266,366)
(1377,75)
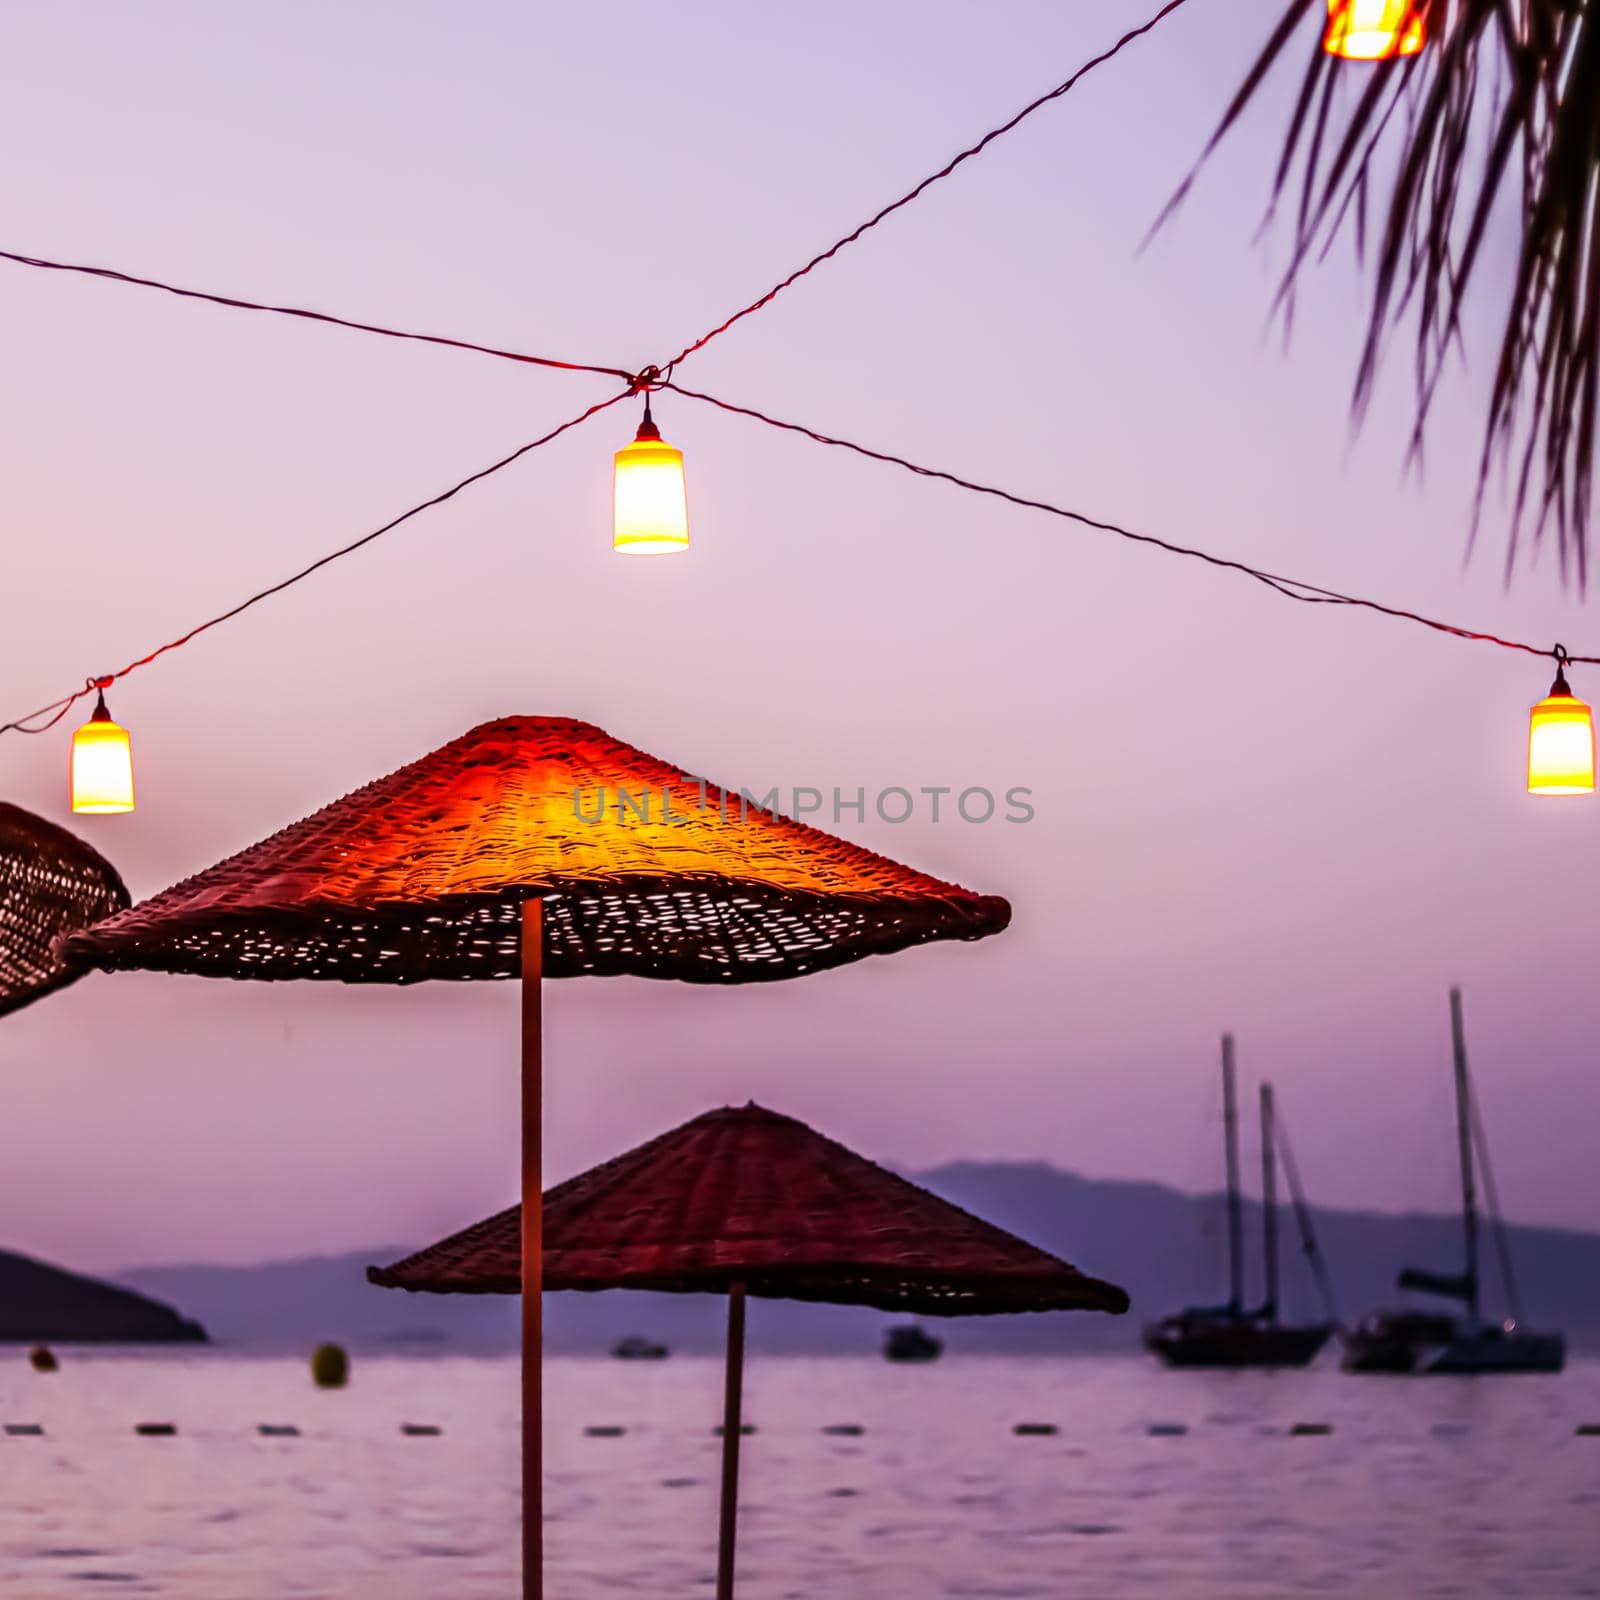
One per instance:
(102,768)
(650,507)
(1561,746)
(1375,30)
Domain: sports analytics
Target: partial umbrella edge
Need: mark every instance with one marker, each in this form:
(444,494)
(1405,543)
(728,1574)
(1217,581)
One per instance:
(943,1295)
(52,883)
(593,927)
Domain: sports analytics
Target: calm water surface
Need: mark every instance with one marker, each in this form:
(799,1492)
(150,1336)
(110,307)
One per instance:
(1446,1487)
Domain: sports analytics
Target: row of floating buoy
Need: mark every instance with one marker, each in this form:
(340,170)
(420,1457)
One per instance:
(410,1430)
(1295,1430)
(838,1430)
(266,1430)
(1050,1430)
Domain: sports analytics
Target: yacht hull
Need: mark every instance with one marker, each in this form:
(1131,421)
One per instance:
(1184,1342)
(1439,1346)
(1495,1352)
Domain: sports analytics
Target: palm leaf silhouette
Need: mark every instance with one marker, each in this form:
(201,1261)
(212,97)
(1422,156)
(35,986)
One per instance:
(1500,110)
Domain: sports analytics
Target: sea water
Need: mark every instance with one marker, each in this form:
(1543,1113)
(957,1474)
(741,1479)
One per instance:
(1166,1485)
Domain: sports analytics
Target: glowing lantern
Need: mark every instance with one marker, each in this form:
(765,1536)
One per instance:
(1561,741)
(650,509)
(1375,30)
(102,763)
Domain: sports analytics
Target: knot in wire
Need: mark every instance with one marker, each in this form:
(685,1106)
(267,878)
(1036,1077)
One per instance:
(1562,657)
(646,379)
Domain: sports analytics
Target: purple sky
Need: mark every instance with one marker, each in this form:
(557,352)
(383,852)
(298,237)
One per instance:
(1295,823)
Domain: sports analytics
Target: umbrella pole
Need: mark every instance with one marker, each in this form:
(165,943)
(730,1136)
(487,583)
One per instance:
(732,1419)
(532,1251)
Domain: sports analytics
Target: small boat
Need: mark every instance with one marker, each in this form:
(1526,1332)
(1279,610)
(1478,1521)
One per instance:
(1232,1335)
(635,1348)
(910,1343)
(1412,1341)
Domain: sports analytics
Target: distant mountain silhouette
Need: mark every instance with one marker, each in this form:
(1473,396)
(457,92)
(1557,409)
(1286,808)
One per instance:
(41,1304)
(1166,1248)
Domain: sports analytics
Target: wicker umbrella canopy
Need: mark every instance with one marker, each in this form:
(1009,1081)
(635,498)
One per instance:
(749,1196)
(642,870)
(51,883)
(537,846)
(750,1202)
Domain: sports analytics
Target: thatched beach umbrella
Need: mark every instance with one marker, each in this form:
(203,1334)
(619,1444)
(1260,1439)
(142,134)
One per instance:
(745,1201)
(51,883)
(533,847)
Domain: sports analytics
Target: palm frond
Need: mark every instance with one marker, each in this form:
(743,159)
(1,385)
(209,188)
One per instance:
(1501,108)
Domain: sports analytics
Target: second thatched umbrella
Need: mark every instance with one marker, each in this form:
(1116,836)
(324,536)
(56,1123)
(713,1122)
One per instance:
(533,847)
(746,1201)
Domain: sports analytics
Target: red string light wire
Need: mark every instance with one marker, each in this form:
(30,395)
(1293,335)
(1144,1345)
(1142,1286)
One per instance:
(1290,588)
(652,378)
(928,182)
(114,276)
(57,709)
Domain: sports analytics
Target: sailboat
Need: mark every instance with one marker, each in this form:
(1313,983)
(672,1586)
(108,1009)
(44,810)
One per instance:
(908,1342)
(1432,1341)
(1231,1335)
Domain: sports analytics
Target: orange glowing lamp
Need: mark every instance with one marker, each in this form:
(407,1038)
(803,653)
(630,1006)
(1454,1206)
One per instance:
(1375,30)
(1561,741)
(650,507)
(102,763)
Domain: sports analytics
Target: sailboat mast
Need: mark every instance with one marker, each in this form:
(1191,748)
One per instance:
(1469,1198)
(1230,1127)
(1269,1202)
(1302,1217)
